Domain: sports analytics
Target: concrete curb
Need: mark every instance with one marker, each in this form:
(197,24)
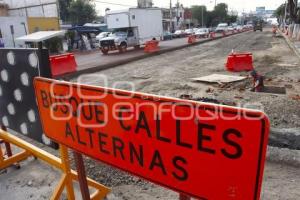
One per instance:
(284,156)
(285,138)
(290,44)
(129,60)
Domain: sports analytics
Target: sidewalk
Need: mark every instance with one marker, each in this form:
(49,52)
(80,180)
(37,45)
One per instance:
(293,44)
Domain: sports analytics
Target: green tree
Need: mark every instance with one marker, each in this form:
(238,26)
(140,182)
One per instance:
(231,18)
(64,6)
(280,12)
(198,12)
(219,15)
(81,12)
(221,12)
(293,10)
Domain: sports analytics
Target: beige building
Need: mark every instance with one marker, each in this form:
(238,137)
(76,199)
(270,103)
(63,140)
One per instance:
(3,9)
(42,24)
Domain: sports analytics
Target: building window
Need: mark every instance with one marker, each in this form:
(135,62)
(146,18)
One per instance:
(133,17)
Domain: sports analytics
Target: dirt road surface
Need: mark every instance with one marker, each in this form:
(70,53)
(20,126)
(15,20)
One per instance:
(170,75)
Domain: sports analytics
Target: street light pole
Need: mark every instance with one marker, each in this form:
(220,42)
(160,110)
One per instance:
(170,16)
(177,14)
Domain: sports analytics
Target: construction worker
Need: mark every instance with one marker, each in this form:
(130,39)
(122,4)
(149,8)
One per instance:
(258,82)
(274,30)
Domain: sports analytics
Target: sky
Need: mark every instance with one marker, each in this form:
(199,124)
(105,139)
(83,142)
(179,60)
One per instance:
(237,5)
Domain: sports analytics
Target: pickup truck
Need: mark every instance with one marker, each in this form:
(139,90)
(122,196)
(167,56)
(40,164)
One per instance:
(120,40)
(132,27)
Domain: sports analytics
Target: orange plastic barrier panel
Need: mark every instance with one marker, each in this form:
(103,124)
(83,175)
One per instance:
(151,46)
(239,62)
(224,33)
(201,150)
(191,39)
(62,64)
(212,35)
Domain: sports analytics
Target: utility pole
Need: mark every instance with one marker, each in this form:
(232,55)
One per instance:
(202,16)
(177,13)
(285,12)
(170,16)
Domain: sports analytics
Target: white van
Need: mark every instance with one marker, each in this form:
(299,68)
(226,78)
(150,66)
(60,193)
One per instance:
(223,27)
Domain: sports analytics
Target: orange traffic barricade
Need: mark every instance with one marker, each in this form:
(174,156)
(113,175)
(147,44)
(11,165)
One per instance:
(151,46)
(239,62)
(212,35)
(62,64)
(191,39)
(223,33)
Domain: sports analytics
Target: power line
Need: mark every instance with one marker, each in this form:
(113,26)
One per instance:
(117,4)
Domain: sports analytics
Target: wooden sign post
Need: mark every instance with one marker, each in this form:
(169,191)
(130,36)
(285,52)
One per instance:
(200,150)
(81,176)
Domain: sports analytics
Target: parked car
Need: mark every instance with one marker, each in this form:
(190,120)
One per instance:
(189,31)
(239,28)
(202,32)
(212,29)
(223,27)
(230,28)
(179,34)
(234,25)
(167,35)
(250,25)
(245,27)
(102,35)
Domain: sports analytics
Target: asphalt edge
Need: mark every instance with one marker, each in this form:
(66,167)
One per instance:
(98,68)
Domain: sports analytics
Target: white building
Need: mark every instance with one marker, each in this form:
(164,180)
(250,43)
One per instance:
(15,19)
(178,18)
(11,28)
(145,3)
(32,8)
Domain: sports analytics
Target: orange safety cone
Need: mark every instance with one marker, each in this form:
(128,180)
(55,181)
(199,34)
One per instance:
(191,39)
(212,35)
(151,46)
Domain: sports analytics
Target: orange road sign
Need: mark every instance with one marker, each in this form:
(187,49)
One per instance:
(202,150)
